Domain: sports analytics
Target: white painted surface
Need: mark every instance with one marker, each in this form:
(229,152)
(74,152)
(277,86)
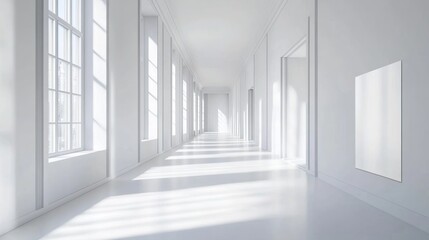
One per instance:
(68,174)
(295,109)
(123,77)
(166,88)
(287,29)
(290,27)
(261,95)
(219,34)
(217,109)
(176,110)
(383,36)
(17,110)
(150,79)
(75,172)
(148,149)
(217,187)
(378,121)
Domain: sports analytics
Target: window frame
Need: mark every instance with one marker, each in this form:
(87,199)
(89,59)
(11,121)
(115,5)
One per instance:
(185,106)
(81,34)
(174,69)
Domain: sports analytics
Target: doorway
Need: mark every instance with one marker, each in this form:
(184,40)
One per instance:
(294,105)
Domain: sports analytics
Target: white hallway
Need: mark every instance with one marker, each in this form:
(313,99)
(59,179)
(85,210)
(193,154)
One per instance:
(217,187)
(214,119)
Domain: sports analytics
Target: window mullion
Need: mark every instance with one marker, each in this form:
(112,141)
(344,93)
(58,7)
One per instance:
(81,71)
(56,126)
(71,79)
(70,74)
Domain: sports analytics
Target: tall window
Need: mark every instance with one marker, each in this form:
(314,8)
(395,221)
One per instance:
(65,93)
(151,78)
(199,112)
(185,107)
(195,110)
(173,98)
(203,113)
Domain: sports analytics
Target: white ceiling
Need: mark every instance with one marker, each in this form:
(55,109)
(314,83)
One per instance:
(219,34)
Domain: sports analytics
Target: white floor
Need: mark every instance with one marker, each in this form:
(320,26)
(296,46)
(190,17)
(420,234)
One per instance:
(215,188)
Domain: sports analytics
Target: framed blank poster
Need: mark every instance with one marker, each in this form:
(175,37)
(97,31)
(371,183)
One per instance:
(378,121)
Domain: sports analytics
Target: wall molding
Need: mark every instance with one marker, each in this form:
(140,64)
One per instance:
(409,216)
(165,14)
(41,211)
(37,213)
(263,33)
(216,90)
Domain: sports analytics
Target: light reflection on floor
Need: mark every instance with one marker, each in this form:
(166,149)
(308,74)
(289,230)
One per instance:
(216,187)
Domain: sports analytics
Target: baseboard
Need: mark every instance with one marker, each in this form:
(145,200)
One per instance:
(39,212)
(147,160)
(413,218)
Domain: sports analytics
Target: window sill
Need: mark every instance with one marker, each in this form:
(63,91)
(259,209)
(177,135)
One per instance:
(149,140)
(73,155)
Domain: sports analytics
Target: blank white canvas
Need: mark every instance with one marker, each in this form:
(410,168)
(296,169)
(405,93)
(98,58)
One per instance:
(378,121)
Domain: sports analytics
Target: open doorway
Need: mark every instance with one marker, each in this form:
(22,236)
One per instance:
(294,104)
(250,113)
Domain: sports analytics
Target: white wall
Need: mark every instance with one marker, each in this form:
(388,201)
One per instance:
(296,109)
(261,95)
(177,137)
(217,112)
(374,34)
(32,183)
(294,21)
(167,46)
(149,26)
(188,79)
(18,110)
(123,76)
(68,174)
(290,27)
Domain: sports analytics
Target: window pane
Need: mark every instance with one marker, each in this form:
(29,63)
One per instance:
(51,138)
(77,109)
(76,51)
(52,5)
(51,37)
(63,76)
(63,137)
(76,136)
(63,43)
(76,13)
(51,73)
(63,107)
(64,10)
(52,101)
(76,80)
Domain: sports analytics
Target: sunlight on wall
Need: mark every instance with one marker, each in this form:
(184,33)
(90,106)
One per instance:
(222,122)
(99,57)
(276,119)
(296,125)
(185,107)
(173,98)
(152,89)
(260,122)
(292,124)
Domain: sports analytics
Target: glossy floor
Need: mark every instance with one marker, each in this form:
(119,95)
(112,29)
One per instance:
(217,187)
